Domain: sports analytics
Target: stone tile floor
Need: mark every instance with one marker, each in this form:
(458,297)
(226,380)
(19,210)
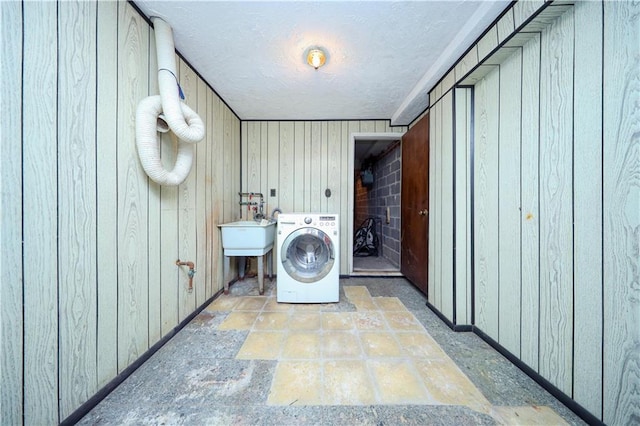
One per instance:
(377,357)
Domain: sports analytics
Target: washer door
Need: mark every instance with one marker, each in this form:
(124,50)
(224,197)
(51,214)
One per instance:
(307,255)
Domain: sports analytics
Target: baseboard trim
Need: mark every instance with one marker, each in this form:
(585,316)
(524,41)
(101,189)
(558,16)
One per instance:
(547,385)
(92,402)
(447,321)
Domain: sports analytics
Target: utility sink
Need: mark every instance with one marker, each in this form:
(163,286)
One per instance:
(247,237)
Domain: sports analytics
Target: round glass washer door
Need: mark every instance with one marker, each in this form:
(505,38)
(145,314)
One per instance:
(307,255)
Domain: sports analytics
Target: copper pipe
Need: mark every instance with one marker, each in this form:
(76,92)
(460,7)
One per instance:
(191,273)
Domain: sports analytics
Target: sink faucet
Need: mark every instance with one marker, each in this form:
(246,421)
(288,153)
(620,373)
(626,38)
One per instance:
(273,212)
(260,214)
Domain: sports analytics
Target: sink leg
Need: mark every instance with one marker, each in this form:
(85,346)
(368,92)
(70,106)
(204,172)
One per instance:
(227,264)
(261,274)
(270,264)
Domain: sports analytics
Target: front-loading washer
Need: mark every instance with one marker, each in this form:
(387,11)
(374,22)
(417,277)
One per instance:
(308,258)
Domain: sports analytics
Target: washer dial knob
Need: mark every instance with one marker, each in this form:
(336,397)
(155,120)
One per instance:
(307,220)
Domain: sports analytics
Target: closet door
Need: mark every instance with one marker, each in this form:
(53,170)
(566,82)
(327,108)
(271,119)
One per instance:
(415,204)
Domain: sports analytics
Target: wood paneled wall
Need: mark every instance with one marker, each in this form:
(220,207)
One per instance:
(300,160)
(89,281)
(556,210)
(449,206)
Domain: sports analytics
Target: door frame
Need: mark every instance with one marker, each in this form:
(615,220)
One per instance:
(353,138)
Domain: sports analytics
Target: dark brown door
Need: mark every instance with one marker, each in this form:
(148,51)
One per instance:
(415,203)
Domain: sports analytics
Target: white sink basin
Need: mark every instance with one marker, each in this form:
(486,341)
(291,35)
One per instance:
(247,237)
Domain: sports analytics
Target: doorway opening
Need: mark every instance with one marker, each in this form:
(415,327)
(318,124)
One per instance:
(374,197)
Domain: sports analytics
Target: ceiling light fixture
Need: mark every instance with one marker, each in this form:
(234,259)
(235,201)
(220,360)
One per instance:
(316,57)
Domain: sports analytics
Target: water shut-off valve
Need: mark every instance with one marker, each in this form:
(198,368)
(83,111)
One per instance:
(190,274)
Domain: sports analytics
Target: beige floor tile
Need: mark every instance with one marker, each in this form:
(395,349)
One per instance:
(379,344)
(307,307)
(340,344)
(448,385)
(402,321)
(528,415)
(364,304)
(239,321)
(389,304)
(397,383)
(273,305)
(271,321)
(356,292)
(296,383)
(369,321)
(301,345)
(337,321)
(304,321)
(420,345)
(262,345)
(250,303)
(347,382)
(223,303)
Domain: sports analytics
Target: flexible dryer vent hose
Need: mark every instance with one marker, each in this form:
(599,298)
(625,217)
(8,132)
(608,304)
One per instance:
(154,113)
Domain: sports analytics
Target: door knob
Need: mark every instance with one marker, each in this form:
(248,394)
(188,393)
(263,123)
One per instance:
(423,212)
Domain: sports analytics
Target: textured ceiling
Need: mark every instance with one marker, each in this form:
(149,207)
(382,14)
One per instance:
(383,56)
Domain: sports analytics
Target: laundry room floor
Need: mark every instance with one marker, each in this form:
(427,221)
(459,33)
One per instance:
(377,357)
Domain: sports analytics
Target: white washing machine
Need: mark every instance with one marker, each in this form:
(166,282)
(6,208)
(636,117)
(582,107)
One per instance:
(308,258)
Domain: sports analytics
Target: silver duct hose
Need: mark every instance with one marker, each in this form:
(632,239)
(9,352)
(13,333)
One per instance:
(155,113)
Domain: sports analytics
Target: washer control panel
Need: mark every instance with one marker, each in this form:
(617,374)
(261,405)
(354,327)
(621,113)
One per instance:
(318,220)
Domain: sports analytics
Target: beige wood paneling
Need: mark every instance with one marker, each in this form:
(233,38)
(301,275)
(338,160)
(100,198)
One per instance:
(344,195)
(486,203)
(505,25)
(522,10)
(11,269)
(106,180)
(324,165)
(462,185)
(168,240)
(285,189)
(154,221)
(488,43)
(587,209)
(335,180)
(102,285)
(579,208)
(529,191)
(217,214)
(315,178)
(556,245)
(187,205)
(306,141)
(467,63)
(230,170)
(274,153)
(299,163)
(202,236)
(433,255)
(133,43)
(40,208)
(77,204)
(212,189)
(169,207)
(509,291)
(621,213)
(446,224)
(437,119)
(251,162)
